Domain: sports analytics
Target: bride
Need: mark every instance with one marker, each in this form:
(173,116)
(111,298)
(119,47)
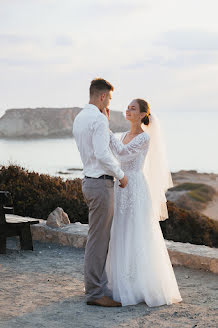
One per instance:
(138,266)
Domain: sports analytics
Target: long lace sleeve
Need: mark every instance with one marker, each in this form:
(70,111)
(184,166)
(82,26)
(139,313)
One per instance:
(130,150)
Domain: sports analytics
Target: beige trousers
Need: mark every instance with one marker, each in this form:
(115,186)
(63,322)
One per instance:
(99,196)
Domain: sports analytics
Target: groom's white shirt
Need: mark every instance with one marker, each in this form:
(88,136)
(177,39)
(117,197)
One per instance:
(91,132)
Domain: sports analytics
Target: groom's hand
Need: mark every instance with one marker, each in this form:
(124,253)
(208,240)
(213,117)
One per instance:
(106,112)
(123,182)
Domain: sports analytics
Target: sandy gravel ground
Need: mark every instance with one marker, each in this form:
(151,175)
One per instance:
(44,288)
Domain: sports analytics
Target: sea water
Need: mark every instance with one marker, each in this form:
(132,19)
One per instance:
(191,139)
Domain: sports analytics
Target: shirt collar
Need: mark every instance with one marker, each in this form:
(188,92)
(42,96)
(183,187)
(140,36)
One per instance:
(91,106)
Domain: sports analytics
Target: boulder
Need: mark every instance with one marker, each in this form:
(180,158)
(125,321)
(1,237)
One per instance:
(58,218)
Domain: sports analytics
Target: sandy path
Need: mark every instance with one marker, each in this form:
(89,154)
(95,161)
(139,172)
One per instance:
(44,288)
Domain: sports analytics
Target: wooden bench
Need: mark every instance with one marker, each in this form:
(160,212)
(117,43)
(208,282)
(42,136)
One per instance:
(13,225)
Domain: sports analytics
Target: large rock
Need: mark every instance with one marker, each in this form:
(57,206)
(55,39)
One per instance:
(58,218)
(48,122)
(74,234)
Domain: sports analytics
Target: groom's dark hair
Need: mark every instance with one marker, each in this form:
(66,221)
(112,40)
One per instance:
(99,85)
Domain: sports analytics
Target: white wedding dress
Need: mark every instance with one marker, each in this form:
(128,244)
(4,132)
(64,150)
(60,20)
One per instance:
(138,266)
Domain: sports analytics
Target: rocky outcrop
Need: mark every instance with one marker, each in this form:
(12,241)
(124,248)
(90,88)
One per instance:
(48,122)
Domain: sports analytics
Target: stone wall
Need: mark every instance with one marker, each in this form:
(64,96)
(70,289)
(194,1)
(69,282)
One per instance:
(185,254)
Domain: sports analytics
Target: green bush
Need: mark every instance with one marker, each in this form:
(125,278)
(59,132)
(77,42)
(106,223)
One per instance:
(199,192)
(198,196)
(195,195)
(187,186)
(37,195)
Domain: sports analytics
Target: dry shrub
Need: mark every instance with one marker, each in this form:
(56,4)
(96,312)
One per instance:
(37,195)
(189,227)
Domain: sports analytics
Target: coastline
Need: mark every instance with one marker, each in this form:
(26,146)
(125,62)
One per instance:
(210,179)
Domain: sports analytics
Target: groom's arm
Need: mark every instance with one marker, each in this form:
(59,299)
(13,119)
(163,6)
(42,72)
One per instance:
(101,140)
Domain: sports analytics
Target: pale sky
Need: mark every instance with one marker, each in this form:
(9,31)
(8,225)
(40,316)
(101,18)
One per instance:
(165,51)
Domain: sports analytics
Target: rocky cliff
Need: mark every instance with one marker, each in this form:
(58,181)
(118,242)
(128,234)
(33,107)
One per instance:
(48,122)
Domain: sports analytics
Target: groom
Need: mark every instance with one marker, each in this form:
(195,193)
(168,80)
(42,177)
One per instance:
(91,132)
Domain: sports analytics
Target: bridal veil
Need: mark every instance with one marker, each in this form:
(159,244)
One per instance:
(156,169)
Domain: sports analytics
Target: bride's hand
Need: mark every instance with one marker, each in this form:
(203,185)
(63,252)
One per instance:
(106,112)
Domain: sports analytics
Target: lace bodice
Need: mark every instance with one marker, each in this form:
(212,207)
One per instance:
(132,155)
